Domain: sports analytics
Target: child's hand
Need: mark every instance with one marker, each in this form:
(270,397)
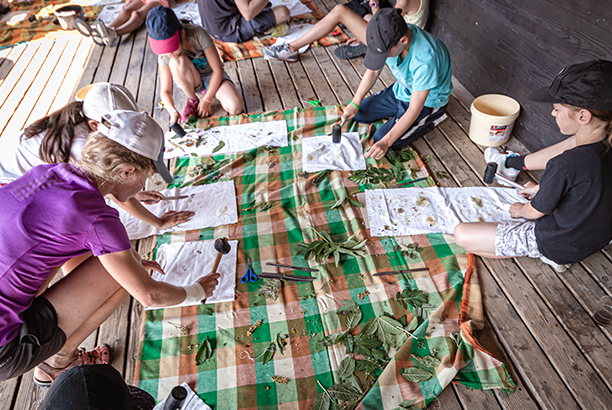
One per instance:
(378,150)
(174,116)
(149,197)
(349,112)
(530,190)
(173,218)
(209,283)
(516,210)
(204,108)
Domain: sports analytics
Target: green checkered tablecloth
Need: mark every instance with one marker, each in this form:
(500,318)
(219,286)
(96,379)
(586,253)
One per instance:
(303,313)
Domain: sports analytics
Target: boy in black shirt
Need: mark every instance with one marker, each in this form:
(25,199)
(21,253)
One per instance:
(569,218)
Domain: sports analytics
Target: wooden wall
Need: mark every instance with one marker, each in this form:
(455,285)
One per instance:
(515,46)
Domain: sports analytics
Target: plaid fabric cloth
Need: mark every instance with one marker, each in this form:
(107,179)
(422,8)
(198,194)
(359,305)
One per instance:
(252,48)
(304,313)
(45,27)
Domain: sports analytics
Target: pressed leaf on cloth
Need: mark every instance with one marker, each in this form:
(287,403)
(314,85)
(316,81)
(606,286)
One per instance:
(303,314)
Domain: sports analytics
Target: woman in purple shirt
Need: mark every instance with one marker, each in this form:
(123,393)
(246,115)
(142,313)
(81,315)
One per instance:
(56,212)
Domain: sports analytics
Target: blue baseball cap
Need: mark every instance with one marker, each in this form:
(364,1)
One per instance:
(163,30)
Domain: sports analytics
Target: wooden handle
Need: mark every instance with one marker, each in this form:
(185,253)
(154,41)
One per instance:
(217,260)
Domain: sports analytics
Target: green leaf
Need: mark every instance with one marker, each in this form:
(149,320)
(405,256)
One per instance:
(334,338)
(370,328)
(207,310)
(414,323)
(248,157)
(193,154)
(416,375)
(348,305)
(322,402)
(346,368)
(265,206)
(339,203)
(353,319)
(407,405)
(218,147)
(269,353)
(428,361)
(326,236)
(355,203)
(204,352)
(349,343)
(344,392)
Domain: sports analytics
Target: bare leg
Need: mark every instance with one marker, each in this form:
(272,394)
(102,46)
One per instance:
(185,74)
(136,19)
(539,159)
(230,99)
(82,300)
(281,14)
(74,262)
(126,12)
(339,14)
(478,238)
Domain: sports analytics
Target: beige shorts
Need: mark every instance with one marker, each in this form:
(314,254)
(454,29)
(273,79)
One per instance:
(516,238)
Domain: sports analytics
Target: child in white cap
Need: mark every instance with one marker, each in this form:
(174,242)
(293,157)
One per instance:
(60,137)
(57,212)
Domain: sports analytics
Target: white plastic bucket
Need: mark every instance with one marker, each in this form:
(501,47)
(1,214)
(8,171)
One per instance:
(493,117)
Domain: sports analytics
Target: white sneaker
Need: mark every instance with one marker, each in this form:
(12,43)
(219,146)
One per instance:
(109,35)
(492,154)
(556,266)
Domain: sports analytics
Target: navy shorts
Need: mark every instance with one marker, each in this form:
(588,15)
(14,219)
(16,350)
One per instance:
(385,105)
(38,338)
(362,7)
(205,80)
(246,30)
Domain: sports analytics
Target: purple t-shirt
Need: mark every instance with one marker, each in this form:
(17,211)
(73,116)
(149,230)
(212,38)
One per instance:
(48,216)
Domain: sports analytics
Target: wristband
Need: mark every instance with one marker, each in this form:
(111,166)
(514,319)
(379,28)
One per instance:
(210,102)
(171,110)
(373,4)
(354,105)
(195,293)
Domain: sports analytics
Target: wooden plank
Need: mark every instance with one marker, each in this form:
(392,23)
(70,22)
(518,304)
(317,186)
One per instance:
(357,64)
(272,100)
(148,85)
(10,103)
(122,59)
(131,356)
(105,65)
(250,90)
(284,85)
(302,84)
(68,88)
(11,56)
(321,87)
(474,399)
(334,79)
(87,77)
(32,91)
(134,69)
(29,396)
(8,391)
(447,400)
(54,84)
(13,78)
(114,332)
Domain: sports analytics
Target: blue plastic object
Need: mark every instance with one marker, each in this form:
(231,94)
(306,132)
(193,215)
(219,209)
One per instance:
(249,275)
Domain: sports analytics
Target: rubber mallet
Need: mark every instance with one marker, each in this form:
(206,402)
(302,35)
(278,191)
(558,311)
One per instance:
(491,174)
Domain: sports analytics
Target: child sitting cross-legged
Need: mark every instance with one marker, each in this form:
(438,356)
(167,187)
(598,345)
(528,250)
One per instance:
(568,218)
(188,57)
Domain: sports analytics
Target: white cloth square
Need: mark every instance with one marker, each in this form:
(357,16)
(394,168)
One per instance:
(321,153)
(192,401)
(213,204)
(185,262)
(237,138)
(414,211)
(296,7)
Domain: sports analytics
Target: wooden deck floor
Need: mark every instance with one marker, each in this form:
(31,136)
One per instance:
(538,321)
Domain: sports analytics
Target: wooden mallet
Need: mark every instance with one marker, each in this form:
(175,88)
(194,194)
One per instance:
(222,247)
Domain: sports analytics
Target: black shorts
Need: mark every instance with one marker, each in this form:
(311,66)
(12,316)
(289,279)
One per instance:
(362,7)
(261,23)
(38,339)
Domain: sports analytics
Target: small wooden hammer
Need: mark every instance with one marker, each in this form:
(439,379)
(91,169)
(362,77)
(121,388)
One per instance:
(222,247)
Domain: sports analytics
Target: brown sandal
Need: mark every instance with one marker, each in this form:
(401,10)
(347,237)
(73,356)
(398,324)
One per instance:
(102,354)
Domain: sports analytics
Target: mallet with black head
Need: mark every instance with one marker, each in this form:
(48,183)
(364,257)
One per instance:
(491,174)
(337,132)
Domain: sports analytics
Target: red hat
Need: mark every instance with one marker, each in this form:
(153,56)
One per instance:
(163,29)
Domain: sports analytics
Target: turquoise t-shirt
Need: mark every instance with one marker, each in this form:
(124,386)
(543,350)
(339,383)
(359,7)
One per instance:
(426,67)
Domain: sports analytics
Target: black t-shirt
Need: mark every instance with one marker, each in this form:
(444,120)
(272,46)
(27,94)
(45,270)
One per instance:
(219,17)
(576,197)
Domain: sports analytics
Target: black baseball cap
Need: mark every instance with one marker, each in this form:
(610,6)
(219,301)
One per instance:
(383,32)
(585,85)
(95,387)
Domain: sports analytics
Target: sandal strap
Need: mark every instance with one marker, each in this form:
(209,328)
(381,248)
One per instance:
(54,372)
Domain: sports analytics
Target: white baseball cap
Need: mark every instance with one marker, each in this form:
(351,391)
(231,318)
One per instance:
(103,98)
(138,132)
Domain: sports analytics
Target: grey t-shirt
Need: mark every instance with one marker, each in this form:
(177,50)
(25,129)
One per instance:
(219,17)
(201,41)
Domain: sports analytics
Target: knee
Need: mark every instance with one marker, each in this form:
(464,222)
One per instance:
(283,14)
(340,10)
(461,236)
(233,106)
(138,15)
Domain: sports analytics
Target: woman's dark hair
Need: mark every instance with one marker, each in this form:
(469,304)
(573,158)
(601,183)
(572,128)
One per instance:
(604,116)
(58,129)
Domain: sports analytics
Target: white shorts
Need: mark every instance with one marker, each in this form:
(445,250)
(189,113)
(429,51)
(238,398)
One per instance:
(516,238)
